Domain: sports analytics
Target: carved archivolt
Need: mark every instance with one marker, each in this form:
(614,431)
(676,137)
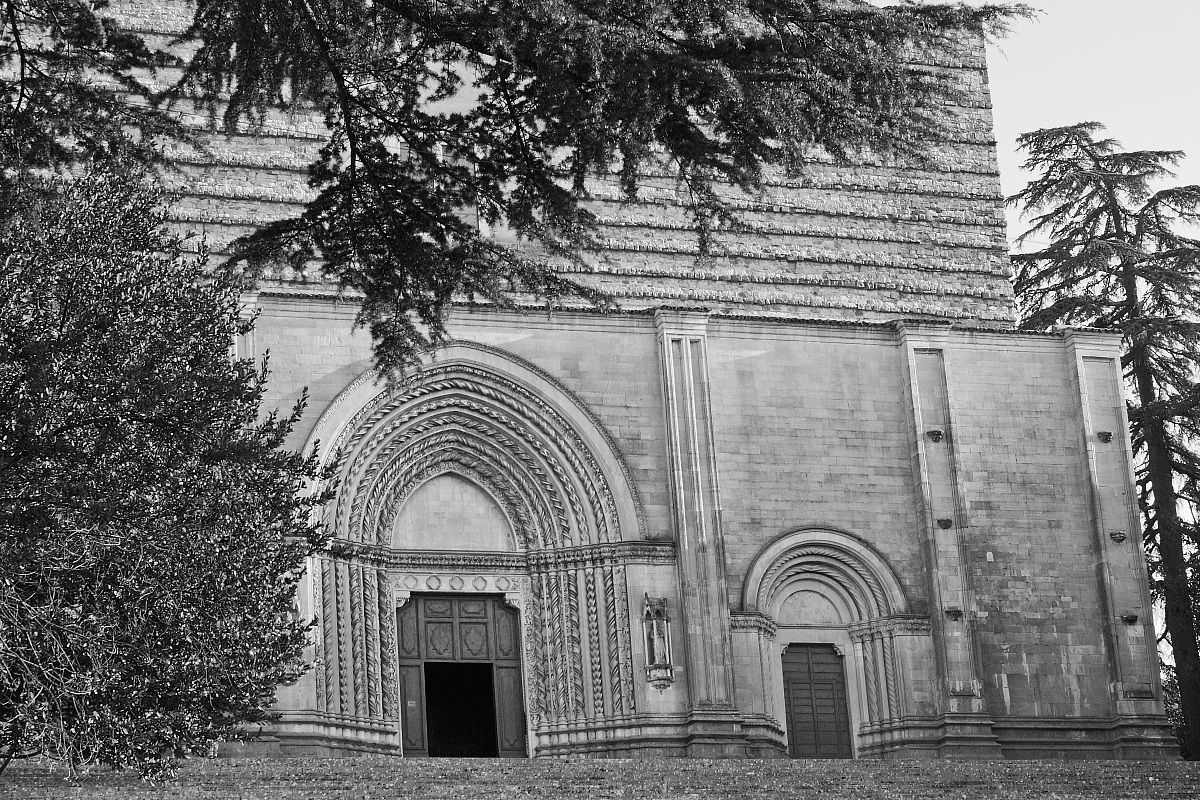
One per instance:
(510,435)
(853,574)
(564,491)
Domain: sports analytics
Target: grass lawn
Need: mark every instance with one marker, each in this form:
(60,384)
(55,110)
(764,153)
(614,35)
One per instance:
(376,778)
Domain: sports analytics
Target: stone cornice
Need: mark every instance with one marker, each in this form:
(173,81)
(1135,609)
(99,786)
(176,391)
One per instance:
(754,621)
(632,552)
(896,624)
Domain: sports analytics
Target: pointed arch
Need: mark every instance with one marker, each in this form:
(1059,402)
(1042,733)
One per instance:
(478,405)
(451,510)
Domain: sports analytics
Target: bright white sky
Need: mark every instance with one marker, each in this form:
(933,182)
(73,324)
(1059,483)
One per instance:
(1133,65)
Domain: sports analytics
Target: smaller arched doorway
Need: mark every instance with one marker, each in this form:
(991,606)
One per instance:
(815,702)
(833,603)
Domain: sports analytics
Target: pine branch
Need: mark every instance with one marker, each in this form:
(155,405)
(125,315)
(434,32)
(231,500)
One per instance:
(1117,260)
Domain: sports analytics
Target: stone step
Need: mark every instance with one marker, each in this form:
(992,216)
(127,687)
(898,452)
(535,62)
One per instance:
(378,777)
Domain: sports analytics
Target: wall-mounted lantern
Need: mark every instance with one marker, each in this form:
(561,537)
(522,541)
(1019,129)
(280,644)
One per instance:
(936,434)
(656,632)
(1117,536)
(1104,436)
(1129,619)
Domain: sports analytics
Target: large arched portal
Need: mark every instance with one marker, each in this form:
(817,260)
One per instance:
(478,486)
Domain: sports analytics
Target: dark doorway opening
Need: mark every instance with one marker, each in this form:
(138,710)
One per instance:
(460,677)
(461,707)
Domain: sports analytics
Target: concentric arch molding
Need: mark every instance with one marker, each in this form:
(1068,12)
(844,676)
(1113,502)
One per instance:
(560,481)
(366,394)
(852,572)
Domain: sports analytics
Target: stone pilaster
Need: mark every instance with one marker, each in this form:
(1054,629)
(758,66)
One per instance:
(708,653)
(756,654)
(966,723)
(243,345)
(1094,365)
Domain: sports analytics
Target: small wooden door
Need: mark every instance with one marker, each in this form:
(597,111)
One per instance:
(814,691)
(473,640)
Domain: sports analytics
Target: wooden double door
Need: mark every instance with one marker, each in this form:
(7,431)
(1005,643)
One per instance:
(814,691)
(460,677)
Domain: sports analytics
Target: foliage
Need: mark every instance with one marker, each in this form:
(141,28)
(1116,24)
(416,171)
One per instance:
(152,528)
(504,107)
(1170,686)
(72,88)
(1119,258)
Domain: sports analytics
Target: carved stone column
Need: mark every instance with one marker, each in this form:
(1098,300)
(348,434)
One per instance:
(356,678)
(695,496)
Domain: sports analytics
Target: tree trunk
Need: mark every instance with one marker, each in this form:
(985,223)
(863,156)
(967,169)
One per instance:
(1180,614)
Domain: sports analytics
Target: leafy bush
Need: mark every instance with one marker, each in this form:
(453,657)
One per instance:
(152,525)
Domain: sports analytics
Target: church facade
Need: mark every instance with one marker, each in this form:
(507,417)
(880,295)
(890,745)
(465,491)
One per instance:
(679,533)
(810,495)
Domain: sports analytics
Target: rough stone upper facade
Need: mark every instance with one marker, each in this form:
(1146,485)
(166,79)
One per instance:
(812,489)
(865,242)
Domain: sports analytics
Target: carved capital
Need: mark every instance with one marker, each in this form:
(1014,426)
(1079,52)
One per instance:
(692,322)
(895,624)
(754,621)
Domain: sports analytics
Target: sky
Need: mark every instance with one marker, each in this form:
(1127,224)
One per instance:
(1133,65)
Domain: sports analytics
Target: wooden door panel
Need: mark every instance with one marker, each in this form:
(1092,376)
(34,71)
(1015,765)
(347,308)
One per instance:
(510,719)
(462,629)
(818,719)
(473,641)
(473,609)
(506,633)
(439,640)
(412,712)
(437,606)
(408,642)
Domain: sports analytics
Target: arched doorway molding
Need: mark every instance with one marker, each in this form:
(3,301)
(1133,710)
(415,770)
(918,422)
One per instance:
(822,585)
(366,393)
(501,424)
(865,581)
